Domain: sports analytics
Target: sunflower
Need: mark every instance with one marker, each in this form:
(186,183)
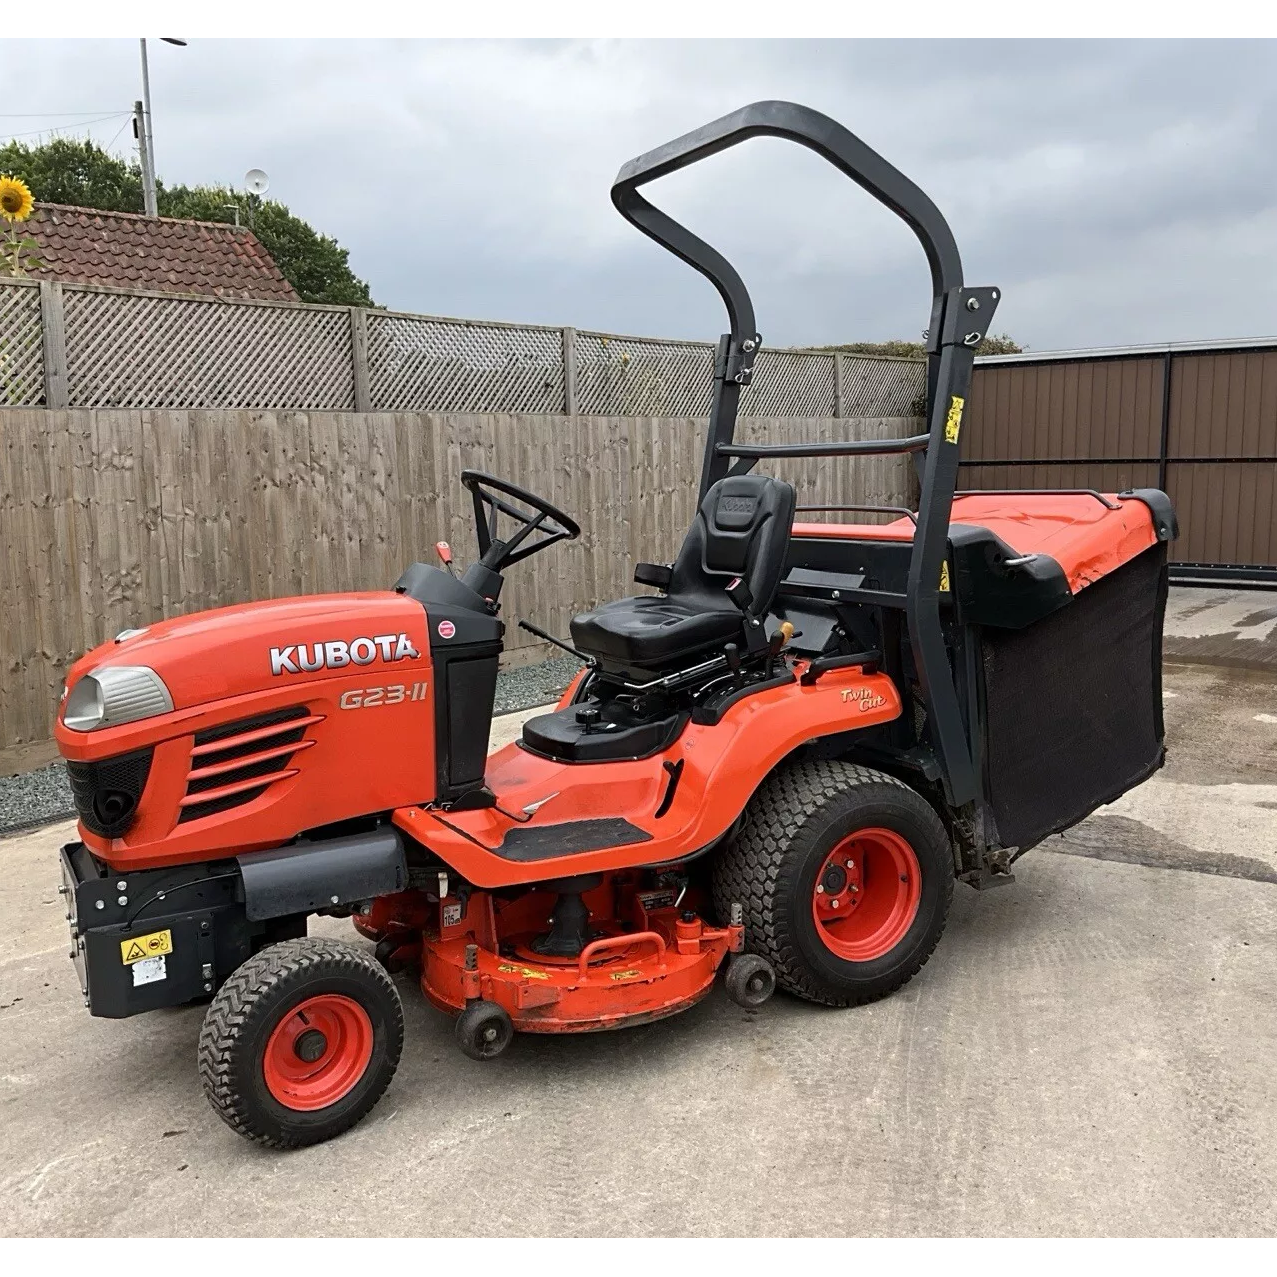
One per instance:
(16,201)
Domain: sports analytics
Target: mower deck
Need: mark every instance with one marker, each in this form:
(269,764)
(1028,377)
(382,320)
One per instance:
(619,979)
(639,955)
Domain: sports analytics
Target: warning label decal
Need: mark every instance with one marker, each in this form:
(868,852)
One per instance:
(528,973)
(149,946)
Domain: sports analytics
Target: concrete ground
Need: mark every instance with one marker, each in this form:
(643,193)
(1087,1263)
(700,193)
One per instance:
(1090,1051)
(1212,626)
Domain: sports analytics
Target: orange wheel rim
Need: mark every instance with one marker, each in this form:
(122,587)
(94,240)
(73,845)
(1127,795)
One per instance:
(318,1052)
(866,895)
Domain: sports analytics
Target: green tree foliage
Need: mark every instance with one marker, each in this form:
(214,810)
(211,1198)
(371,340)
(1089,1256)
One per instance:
(1000,344)
(62,171)
(993,344)
(75,171)
(316,265)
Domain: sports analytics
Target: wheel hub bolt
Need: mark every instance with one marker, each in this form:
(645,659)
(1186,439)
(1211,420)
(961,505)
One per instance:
(490,1034)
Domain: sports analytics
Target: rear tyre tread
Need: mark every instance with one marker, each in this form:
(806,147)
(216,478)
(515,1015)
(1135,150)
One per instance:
(230,1016)
(755,868)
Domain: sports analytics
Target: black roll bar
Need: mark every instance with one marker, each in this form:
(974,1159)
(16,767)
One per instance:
(960,318)
(842,148)
(734,365)
(836,448)
(1041,492)
(858,509)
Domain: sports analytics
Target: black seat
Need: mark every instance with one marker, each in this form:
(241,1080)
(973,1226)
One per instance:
(742,530)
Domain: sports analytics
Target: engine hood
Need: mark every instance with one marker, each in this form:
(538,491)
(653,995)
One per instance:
(254,646)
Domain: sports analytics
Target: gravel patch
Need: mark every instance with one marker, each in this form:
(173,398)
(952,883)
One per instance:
(34,799)
(534,684)
(43,796)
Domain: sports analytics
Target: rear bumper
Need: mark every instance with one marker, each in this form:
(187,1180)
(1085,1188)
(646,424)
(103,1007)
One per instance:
(140,941)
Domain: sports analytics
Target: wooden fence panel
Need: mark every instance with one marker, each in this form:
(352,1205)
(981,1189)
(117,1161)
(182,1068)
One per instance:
(111,518)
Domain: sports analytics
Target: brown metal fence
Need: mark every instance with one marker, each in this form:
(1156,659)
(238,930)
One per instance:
(1198,421)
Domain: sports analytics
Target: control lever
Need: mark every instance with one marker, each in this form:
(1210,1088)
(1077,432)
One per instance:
(587,661)
(444,551)
(776,640)
(732,652)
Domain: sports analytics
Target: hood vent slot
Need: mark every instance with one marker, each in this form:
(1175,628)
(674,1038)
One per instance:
(234,763)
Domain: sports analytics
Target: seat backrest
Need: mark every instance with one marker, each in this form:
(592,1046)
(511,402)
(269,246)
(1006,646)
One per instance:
(741,530)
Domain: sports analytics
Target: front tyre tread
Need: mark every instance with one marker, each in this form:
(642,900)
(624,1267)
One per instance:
(249,1005)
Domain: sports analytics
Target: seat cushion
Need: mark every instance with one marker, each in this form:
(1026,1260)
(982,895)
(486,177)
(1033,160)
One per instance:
(651,630)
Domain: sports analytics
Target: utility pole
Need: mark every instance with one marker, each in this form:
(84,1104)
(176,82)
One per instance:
(145,138)
(144,151)
(146,144)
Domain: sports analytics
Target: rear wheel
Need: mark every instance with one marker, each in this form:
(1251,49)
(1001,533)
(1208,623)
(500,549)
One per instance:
(846,877)
(300,1042)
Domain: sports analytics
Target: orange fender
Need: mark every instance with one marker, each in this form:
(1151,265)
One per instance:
(722,766)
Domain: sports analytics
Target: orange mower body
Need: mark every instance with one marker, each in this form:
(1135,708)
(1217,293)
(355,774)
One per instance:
(775,764)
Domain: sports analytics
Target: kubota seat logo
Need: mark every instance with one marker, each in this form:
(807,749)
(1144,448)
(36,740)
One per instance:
(337,653)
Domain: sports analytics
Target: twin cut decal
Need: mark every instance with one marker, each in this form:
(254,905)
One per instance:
(333,655)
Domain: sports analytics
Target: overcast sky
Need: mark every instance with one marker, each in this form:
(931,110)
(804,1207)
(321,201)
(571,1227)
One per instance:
(1118,192)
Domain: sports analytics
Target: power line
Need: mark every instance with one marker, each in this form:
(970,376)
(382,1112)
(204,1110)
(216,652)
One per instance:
(118,131)
(78,124)
(42,115)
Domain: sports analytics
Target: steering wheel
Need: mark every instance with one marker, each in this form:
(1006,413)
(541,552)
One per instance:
(541,517)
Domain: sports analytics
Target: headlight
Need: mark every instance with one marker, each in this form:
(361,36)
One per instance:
(115,694)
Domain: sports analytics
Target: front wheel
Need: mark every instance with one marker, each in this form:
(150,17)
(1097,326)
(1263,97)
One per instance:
(846,876)
(300,1042)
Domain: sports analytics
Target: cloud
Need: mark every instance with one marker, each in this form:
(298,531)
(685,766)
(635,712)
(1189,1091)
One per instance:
(1119,192)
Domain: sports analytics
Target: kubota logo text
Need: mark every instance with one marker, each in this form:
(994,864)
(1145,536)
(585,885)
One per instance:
(297,657)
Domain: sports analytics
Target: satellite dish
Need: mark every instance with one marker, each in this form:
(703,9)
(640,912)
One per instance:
(256,182)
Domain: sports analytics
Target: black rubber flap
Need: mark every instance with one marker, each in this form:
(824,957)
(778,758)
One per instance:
(318,875)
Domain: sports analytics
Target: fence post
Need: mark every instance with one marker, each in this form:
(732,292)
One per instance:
(569,371)
(838,384)
(1163,450)
(53,333)
(359,358)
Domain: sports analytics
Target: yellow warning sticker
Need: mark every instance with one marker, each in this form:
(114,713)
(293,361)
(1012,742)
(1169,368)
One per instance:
(528,973)
(625,975)
(953,422)
(944,577)
(151,946)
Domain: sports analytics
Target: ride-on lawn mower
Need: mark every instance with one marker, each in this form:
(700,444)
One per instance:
(778,762)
